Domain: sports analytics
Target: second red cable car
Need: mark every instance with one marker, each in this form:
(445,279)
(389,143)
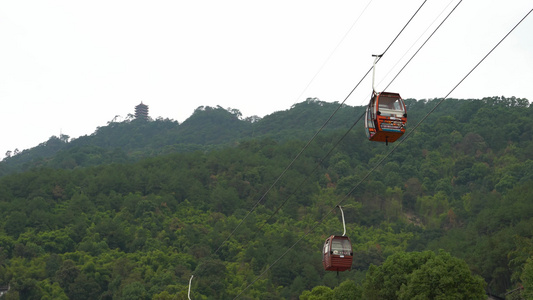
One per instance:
(337,254)
(386,115)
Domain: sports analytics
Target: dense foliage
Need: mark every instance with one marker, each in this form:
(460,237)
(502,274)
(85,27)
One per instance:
(208,128)
(422,275)
(105,224)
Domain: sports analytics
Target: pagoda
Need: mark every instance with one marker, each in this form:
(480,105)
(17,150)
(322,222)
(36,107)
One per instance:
(141,112)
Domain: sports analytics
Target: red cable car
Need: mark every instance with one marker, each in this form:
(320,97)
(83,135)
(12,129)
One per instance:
(386,116)
(337,254)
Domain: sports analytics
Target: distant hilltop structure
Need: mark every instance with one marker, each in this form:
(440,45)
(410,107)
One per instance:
(141,112)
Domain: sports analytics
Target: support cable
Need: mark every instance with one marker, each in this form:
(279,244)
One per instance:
(338,142)
(429,26)
(313,171)
(316,134)
(334,50)
(189,293)
(424,43)
(384,158)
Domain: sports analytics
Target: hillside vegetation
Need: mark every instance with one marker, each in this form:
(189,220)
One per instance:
(135,209)
(208,128)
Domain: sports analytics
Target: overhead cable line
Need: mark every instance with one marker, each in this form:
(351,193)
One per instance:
(334,50)
(298,155)
(308,176)
(429,26)
(338,142)
(424,43)
(315,135)
(385,157)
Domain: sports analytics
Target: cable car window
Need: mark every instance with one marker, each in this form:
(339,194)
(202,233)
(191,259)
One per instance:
(341,247)
(326,246)
(369,120)
(390,107)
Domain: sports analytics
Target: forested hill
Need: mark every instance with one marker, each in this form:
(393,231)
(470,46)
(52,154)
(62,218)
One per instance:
(207,128)
(449,213)
(210,128)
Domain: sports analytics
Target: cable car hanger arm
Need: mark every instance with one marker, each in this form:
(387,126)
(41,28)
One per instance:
(377,57)
(343,223)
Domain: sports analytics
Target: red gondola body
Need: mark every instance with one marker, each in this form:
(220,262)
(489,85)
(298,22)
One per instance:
(337,254)
(386,117)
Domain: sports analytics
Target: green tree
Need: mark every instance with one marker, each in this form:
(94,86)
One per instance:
(443,277)
(347,290)
(83,288)
(422,275)
(134,291)
(52,291)
(15,223)
(211,274)
(26,288)
(53,263)
(318,293)
(67,274)
(527,279)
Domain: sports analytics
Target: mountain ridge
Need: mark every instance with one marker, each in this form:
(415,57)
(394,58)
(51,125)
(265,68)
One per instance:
(135,223)
(207,128)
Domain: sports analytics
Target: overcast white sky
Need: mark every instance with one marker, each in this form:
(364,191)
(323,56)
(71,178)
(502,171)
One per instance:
(71,66)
